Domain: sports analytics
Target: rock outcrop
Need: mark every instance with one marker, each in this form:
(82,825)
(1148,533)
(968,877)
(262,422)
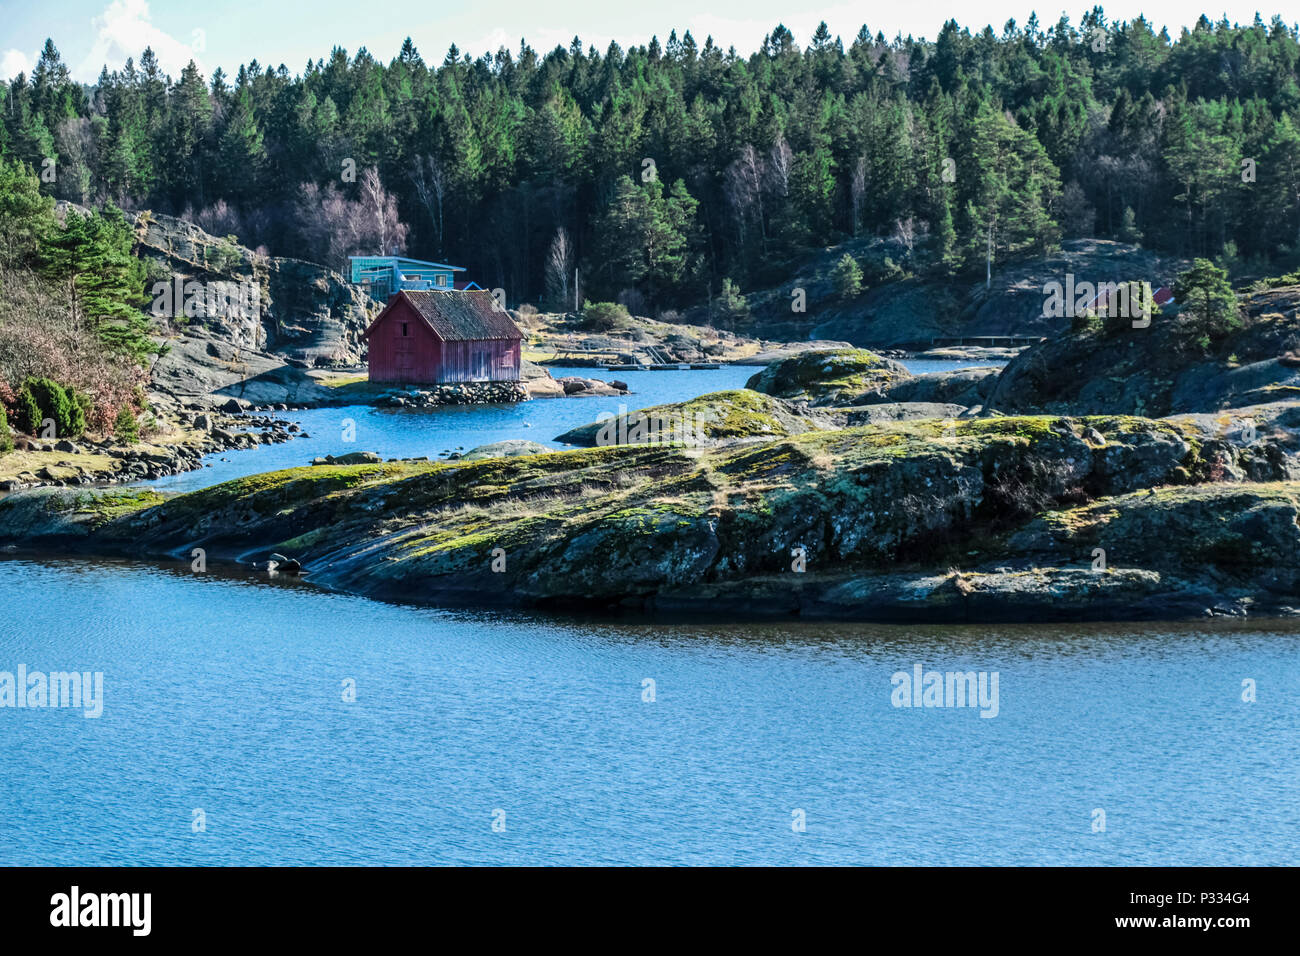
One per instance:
(179,445)
(1162,369)
(510,448)
(298,311)
(714,419)
(909,311)
(967,386)
(830,377)
(244,324)
(997,518)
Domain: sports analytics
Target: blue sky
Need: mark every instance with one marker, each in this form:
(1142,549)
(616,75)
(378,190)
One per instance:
(227,33)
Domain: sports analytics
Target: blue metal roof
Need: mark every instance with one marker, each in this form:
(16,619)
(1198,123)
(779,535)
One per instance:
(364,264)
(384,275)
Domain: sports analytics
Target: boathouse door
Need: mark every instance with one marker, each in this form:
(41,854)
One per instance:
(403,355)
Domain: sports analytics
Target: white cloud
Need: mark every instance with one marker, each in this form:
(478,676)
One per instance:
(124,30)
(13,62)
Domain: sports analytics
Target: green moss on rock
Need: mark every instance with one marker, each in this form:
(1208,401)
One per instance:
(738,414)
(829,376)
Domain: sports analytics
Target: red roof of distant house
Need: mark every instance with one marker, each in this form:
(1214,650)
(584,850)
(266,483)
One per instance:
(1160,296)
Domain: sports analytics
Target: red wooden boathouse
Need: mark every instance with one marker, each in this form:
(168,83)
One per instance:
(427,338)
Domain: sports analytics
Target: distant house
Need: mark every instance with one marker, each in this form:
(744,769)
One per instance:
(385,276)
(429,338)
(1100,303)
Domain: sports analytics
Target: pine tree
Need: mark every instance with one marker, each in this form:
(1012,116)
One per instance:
(1012,188)
(189,126)
(1208,304)
(242,153)
(26,216)
(621,235)
(847,277)
(102,283)
(670,240)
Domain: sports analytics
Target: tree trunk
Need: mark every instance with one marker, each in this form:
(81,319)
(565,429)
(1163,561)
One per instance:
(988,261)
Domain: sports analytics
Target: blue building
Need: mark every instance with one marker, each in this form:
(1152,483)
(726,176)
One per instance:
(385,276)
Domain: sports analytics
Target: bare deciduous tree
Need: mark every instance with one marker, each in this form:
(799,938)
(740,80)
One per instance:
(559,267)
(743,186)
(858,191)
(905,231)
(430,182)
(387,232)
(780,162)
(75,140)
(334,227)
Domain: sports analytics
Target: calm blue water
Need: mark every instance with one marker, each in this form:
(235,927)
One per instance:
(225,695)
(409,433)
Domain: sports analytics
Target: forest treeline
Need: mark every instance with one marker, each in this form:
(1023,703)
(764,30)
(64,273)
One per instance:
(662,170)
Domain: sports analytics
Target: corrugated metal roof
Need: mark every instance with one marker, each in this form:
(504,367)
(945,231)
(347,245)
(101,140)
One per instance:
(457,316)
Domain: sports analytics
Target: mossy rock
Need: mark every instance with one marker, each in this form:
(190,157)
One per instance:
(613,526)
(716,418)
(830,377)
(1228,529)
(510,448)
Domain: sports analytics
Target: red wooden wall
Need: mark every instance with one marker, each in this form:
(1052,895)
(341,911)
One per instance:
(404,349)
(486,360)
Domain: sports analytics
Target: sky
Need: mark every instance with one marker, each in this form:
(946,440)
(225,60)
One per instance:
(226,33)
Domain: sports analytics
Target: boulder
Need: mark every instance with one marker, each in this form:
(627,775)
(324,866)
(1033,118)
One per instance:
(572,385)
(506,449)
(1162,369)
(830,377)
(713,419)
(351,458)
(967,386)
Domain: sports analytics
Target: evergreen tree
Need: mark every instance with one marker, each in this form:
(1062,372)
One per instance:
(101,282)
(1012,187)
(782,153)
(621,234)
(189,127)
(26,216)
(1208,304)
(242,153)
(847,277)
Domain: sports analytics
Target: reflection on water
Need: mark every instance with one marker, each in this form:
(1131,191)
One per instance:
(225,694)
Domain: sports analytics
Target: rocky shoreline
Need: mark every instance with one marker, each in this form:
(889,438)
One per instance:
(1100,475)
(107,461)
(996,519)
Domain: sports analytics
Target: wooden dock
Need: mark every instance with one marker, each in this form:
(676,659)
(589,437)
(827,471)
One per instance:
(987,341)
(659,360)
